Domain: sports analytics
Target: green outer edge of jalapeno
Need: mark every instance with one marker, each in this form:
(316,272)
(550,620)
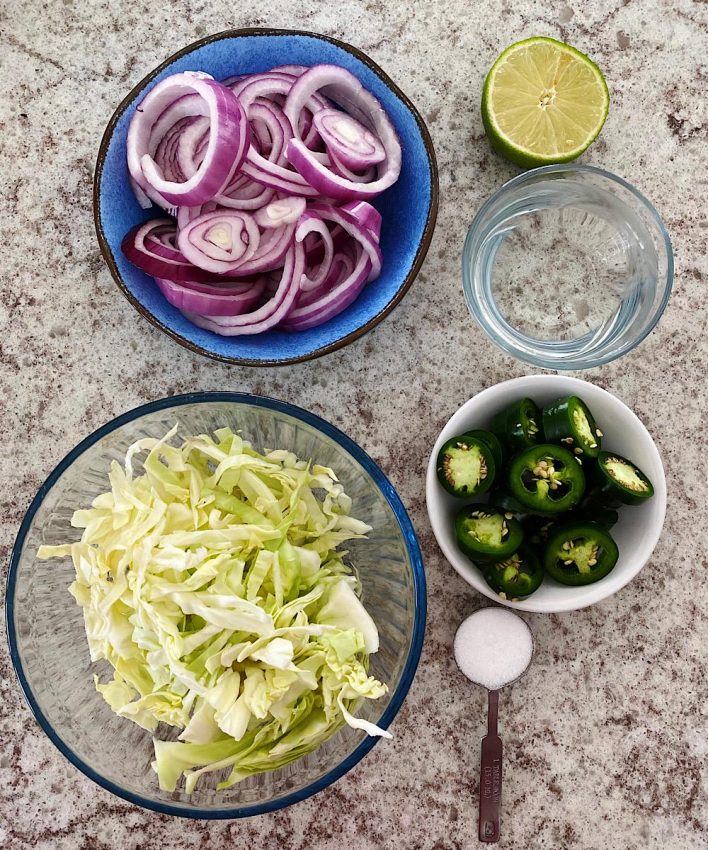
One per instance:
(614,489)
(511,503)
(532,525)
(476,551)
(578,529)
(518,463)
(594,507)
(511,425)
(527,554)
(492,441)
(488,456)
(559,426)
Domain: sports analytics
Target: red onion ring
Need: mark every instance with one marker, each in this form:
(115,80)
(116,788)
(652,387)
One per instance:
(220,241)
(229,138)
(346,89)
(347,140)
(272,312)
(274,144)
(231,302)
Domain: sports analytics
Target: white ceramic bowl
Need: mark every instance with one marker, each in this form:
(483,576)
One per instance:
(639,527)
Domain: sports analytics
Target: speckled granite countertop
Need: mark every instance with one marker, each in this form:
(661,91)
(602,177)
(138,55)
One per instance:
(606,738)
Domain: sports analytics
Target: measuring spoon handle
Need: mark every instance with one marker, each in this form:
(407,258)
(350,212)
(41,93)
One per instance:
(490,778)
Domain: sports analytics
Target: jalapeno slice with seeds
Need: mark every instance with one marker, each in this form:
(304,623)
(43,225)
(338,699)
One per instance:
(621,480)
(517,576)
(519,425)
(569,421)
(466,466)
(492,441)
(580,553)
(547,479)
(486,533)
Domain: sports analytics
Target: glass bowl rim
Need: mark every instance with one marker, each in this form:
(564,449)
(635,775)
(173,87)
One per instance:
(419,588)
(541,360)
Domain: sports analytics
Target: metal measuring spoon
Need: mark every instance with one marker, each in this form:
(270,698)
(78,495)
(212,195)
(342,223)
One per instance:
(493,648)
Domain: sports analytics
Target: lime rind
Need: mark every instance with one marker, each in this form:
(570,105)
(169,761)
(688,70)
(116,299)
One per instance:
(527,84)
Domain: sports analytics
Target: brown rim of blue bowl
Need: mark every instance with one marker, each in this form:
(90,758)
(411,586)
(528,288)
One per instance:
(422,247)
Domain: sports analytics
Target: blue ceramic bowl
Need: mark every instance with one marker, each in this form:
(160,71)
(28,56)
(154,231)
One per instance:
(51,657)
(409,208)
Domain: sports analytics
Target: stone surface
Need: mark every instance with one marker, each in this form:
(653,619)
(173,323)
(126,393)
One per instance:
(606,737)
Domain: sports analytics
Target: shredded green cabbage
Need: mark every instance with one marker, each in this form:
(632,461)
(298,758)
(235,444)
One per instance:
(213,585)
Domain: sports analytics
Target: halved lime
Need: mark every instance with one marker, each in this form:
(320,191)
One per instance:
(543,102)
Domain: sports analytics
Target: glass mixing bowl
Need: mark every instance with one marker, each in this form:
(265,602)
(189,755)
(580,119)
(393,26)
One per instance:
(567,267)
(46,632)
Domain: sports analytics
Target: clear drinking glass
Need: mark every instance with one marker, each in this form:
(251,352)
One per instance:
(48,641)
(567,267)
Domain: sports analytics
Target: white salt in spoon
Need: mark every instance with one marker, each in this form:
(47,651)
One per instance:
(493,648)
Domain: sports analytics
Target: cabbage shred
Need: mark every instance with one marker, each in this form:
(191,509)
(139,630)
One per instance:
(214,585)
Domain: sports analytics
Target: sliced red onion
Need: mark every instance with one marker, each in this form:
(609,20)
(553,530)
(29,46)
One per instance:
(162,241)
(273,246)
(229,138)
(145,137)
(235,78)
(270,313)
(219,241)
(272,85)
(165,154)
(352,144)
(271,171)
(232,302)
(187,214)
(346,89)
(368,216)
(215,286)
(242,193)
(137,248)
(332,302)
(238,86)
(299,255)
(279,212)
(277,128)
(295,70)
(354,228)
(307,130)
(308,224)
(192,146)
(143,200)
(342,266)
(366,176)
(275,176)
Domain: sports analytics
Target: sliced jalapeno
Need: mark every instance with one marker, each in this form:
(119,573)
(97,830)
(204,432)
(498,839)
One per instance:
(511,503)
(466,466)
(547,479)
(518,575)
(580,553)
(537,530)
(594,507)
(518,426)
(486,533)
(492,441)
(622,481)
(569,421)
